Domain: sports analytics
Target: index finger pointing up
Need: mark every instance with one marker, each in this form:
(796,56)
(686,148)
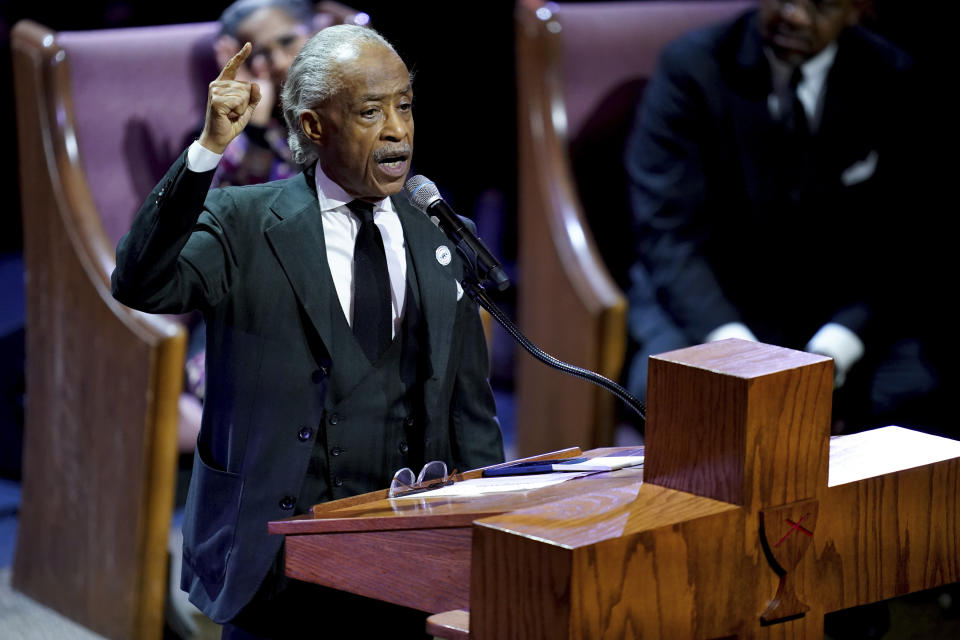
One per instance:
(229,72)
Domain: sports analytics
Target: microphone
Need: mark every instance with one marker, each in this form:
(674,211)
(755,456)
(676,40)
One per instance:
(424,195)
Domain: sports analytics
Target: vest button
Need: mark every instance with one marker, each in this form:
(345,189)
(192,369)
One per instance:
(409,421)
(334,419)
(336,451)
(403,446)
(320,374)
(287,503)
(337,482)
(304,434)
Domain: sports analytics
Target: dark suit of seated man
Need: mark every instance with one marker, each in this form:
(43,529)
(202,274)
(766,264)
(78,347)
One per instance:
(770,166)
(340,346)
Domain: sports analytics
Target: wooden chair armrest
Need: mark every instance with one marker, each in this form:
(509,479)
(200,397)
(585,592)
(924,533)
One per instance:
(102,384)
(569,305)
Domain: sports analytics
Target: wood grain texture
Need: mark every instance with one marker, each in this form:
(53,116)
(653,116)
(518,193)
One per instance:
(740,422)
(521,589)
(606,506)
(423,569)
(102,384)
(889,535)
(610,556)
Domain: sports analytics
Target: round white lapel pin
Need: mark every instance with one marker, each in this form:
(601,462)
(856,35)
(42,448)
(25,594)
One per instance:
(443,255)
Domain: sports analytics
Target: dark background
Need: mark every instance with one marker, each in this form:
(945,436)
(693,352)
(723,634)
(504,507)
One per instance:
(462,54)
(463,57)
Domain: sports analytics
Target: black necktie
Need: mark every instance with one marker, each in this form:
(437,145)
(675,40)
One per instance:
(372,318)
(796,114)
(798,139)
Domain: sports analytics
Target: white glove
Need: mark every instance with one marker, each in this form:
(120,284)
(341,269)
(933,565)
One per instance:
(844,346)
(731,330)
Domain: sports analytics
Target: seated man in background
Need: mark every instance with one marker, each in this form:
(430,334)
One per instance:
(769,168)
(339,347)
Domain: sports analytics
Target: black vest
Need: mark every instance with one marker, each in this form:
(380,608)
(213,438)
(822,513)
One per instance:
(374,428)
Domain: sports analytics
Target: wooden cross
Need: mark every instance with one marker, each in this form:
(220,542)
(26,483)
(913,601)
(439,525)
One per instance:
(747,522)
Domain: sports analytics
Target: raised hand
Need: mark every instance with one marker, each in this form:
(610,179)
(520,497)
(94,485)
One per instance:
(255,70)
(230,104)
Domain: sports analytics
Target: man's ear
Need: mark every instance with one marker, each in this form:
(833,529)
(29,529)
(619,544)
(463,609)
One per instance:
(310,125)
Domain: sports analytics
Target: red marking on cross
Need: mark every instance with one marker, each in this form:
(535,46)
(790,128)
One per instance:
(795,526)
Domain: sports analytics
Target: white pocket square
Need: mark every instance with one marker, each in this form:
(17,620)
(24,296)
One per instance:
(860,170)
(459,290)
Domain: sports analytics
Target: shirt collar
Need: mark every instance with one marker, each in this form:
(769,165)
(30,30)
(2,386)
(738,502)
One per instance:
(331,196)
(815,69)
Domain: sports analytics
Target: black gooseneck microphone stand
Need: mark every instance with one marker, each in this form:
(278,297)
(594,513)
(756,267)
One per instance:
(476,291)
(483,267)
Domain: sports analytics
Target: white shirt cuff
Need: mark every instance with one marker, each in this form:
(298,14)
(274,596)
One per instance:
(201,159)
(841,344)
(731,330)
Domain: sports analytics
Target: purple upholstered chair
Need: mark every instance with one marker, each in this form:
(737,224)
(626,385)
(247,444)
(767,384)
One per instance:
(581,67)
(101,115)
(134,104)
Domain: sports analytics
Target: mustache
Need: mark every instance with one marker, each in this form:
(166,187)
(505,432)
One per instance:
(395,151)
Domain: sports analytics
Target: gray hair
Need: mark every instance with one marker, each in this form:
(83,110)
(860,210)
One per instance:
(313,78)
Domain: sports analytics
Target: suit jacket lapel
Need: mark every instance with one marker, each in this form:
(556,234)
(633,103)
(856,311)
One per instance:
(297,241)
(848,124)
(438,291)
(758,133)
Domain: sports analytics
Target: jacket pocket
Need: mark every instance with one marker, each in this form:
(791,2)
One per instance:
(210,520)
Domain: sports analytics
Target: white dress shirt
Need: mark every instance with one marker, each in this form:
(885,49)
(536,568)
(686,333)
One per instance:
(810,90)
(340,227)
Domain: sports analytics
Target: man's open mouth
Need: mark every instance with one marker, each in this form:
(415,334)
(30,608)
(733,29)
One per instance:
(393,161)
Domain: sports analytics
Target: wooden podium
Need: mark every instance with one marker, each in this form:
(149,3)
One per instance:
(748,521)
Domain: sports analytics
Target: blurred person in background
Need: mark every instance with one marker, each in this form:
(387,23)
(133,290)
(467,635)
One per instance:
(772,167)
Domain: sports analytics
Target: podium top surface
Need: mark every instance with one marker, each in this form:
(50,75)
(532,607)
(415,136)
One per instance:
(741,358)
(582,510)
(596,507)
(382,513)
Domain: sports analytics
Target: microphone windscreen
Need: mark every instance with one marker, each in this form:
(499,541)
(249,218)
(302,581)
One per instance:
(421,191)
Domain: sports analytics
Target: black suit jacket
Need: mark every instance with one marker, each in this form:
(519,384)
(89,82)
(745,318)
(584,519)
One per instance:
(723,230)
(253,260)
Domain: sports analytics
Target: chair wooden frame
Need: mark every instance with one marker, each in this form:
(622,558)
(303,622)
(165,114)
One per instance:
(586,324)
(100,434)
(568,302)
(102,380)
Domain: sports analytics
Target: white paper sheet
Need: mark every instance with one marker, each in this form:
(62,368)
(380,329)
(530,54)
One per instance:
(500,484)
(886,450)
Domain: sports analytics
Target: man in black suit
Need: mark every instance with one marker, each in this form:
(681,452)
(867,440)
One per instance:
(769,166)
(340,346)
